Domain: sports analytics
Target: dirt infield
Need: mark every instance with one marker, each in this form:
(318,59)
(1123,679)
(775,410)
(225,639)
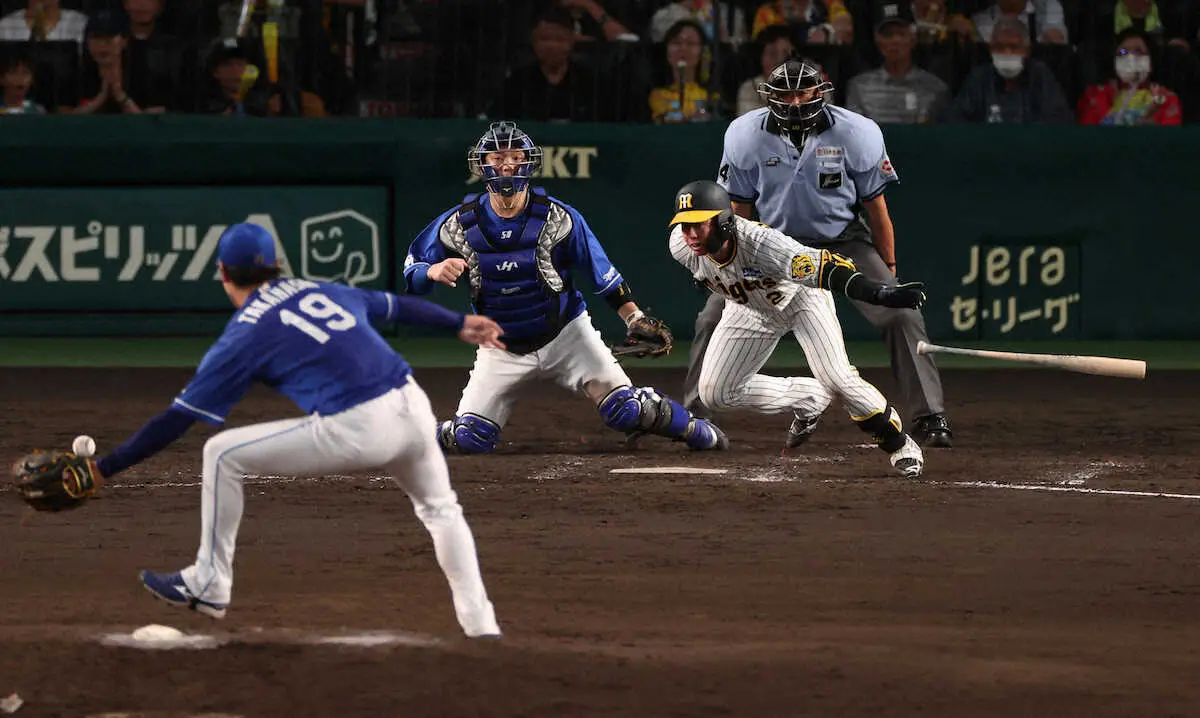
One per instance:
(816,585)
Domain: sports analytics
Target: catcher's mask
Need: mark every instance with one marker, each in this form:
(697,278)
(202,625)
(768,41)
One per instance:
(504,137)
(701,201)
(795,94)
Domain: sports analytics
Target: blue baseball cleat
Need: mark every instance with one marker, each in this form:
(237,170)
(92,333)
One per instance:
(170,588)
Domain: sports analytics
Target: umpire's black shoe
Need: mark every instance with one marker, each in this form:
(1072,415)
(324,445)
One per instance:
(934,431)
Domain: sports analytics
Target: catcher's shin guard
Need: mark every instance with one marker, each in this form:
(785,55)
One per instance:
(468,434)
(642,410)
(885,428)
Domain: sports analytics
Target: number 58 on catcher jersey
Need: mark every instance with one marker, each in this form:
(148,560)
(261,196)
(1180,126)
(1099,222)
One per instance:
(765,272)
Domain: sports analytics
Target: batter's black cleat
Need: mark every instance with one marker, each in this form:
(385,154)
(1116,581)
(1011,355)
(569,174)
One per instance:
(801,429)
(933,431)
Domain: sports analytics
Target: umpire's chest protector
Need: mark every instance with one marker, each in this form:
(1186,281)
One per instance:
(514,280)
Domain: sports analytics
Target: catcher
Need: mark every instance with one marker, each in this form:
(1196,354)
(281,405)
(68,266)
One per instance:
(516,246)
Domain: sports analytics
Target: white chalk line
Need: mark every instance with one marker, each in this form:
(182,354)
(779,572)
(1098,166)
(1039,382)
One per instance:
(253,480)
(1070,484)
(1072,489)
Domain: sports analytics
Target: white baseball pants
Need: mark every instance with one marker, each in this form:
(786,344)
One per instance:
(395,431)
(745,338)
(578,359)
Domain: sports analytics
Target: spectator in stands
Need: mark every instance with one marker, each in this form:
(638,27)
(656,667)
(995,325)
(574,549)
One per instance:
(821,22)
(555,87)
(16,80)
(1144,15)
(593,22)
(1047,17)
(105,75)
(731,27)
(935,23)
(159,66)
(43,20)
(1130,99)
(685,99)
(1014,88)
(899,92)
(774,45)
(234,85)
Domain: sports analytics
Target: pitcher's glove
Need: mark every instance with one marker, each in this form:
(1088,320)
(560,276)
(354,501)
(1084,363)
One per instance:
(645,337)
(55,480)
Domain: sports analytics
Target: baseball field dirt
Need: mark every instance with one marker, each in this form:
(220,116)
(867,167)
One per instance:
(1023,575)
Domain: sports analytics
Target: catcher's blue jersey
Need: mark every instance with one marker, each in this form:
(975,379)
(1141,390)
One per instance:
(311,341)
(518,269)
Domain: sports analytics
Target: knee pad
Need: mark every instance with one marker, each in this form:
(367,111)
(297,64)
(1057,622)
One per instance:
(885,428)
(630,409)
(622,409)
(468,434)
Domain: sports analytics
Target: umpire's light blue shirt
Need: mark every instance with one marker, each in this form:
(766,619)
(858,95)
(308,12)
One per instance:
(810,194)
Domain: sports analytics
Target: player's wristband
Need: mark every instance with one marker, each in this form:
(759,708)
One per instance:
(621,295)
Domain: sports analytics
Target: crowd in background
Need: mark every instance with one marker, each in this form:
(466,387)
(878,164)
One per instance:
(667,61)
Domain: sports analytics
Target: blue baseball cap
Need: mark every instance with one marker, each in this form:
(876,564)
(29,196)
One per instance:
(246,245)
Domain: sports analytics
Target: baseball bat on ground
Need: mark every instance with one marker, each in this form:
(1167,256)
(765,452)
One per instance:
(1104,366)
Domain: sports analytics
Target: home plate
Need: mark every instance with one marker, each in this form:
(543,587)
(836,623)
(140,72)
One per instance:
(668,470)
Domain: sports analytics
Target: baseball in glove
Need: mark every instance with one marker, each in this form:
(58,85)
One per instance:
(55,480)
(645,337)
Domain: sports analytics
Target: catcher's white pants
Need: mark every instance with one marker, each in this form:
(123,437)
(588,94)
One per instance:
(745,338)
(578,359)
(395,431)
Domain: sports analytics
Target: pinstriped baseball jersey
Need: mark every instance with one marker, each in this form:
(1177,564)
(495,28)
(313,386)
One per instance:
(770,284)
(766,270)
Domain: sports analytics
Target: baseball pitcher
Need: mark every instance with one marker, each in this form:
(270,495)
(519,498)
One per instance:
(516,246)
(773,285)
(807,169)
(313,342)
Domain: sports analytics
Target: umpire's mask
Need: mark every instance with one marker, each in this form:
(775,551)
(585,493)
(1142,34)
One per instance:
(795,94)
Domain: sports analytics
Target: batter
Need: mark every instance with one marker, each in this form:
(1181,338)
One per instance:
(773,285)
(313,342)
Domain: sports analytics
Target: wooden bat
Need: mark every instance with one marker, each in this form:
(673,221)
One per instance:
(1104,366)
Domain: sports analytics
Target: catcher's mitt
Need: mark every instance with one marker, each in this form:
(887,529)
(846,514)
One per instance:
(55,480)
(646,337)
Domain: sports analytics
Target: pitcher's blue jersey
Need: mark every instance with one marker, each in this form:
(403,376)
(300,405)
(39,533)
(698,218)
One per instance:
(518,268)
(311,341)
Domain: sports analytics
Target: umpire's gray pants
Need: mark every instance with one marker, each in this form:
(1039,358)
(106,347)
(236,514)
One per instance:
(917,376)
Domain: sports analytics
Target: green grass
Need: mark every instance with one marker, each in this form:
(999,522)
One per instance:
(427,352)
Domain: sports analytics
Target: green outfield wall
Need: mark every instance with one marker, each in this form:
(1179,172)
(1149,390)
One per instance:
(108,224)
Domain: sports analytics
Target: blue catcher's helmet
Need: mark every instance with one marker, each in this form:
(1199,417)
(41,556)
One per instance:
(503,137)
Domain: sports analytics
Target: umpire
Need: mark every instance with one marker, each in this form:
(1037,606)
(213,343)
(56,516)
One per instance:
(806,168)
